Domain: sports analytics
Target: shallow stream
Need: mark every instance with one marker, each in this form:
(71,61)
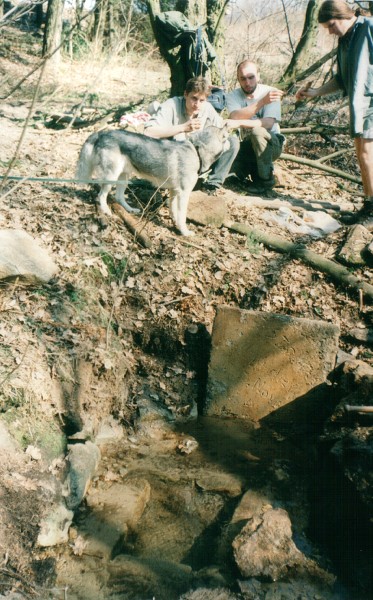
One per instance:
(157,517)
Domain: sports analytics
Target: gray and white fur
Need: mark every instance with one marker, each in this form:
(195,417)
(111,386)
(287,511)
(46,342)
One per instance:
(168,164)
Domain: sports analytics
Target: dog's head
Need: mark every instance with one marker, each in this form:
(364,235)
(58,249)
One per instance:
(210,143)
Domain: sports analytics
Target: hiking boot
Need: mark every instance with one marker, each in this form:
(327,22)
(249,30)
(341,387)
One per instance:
(210,188)
(261,186)
(365,215)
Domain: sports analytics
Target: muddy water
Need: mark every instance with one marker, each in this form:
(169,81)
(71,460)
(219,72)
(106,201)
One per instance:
(155,523)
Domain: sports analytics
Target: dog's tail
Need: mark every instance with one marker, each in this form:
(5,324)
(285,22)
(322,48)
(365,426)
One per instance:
(85,165)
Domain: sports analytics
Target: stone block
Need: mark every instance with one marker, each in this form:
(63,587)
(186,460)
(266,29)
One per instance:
(261,362)
(206,210)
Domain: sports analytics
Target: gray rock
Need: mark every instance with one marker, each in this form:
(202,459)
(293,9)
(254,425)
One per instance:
(264,547)
(109,431)
(362,335)
(21,256)
(83,460)
(220,482)
(55,527)
(7,443)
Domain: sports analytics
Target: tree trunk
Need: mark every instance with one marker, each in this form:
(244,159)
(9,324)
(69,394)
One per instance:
(53,29)
(99,21)
(207,13)
(38,14)
(216,34)
(301,57)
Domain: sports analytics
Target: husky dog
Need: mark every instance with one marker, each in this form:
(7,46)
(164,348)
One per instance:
(116,155)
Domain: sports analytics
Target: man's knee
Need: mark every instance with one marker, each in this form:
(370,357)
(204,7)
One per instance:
(260,133)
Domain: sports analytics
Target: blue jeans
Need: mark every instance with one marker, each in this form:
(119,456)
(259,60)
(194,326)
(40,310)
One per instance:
(221,168)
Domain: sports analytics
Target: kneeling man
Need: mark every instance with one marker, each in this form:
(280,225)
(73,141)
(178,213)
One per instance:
(256,109)
(181,115)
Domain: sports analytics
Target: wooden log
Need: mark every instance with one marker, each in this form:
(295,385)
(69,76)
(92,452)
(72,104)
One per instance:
(315,164)
(335,271)
(132,224)
(361,409)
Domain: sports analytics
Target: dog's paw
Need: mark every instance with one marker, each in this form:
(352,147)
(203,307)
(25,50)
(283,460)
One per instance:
(105,211)
(187,233)
(134,211)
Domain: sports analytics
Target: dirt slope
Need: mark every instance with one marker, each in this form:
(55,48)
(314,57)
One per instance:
(116,307)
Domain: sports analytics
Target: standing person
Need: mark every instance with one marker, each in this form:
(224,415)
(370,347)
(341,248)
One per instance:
(181,115)
(355,77)
(256,109)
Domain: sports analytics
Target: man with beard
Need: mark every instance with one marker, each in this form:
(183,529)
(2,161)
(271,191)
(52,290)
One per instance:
(256,109)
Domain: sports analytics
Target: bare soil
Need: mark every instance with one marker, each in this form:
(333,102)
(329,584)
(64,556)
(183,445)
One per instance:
(116,308)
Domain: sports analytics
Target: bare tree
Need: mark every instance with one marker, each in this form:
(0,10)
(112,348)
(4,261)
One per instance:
(53,29)
(301,57)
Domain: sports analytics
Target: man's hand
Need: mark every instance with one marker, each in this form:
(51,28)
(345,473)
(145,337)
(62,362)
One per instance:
(306,92)
(272,96)
(194,124)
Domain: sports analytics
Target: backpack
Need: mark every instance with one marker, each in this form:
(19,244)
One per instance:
(196,53)
(217,98)
(174,28)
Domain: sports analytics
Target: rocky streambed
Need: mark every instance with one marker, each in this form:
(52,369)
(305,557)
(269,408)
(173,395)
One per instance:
(209,509)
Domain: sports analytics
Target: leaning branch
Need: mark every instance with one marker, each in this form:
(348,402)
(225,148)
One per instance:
(335,271)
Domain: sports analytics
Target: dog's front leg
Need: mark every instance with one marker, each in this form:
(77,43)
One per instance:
(119,194)
(178,209)
(102,199)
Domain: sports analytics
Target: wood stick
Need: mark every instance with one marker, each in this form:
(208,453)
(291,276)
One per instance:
(296,129)
(316,165)
(334,154)
(132,224)
(362,409)
(335,271)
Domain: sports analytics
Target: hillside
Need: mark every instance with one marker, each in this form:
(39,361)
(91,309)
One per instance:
(108,333)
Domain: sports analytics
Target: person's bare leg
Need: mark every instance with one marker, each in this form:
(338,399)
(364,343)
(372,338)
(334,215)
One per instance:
(364,153)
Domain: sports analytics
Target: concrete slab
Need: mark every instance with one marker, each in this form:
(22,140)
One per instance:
(261,362)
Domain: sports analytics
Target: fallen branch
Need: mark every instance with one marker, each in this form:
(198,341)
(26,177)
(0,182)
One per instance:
(132,224)
(335,271)
(317,128)
(315,164)
(296,129)
(334,155)
(361,409)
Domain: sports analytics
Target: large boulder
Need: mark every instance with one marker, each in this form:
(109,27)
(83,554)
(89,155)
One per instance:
(21,256)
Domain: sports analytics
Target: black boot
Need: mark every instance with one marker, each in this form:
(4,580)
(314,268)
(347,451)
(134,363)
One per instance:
(365,215)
